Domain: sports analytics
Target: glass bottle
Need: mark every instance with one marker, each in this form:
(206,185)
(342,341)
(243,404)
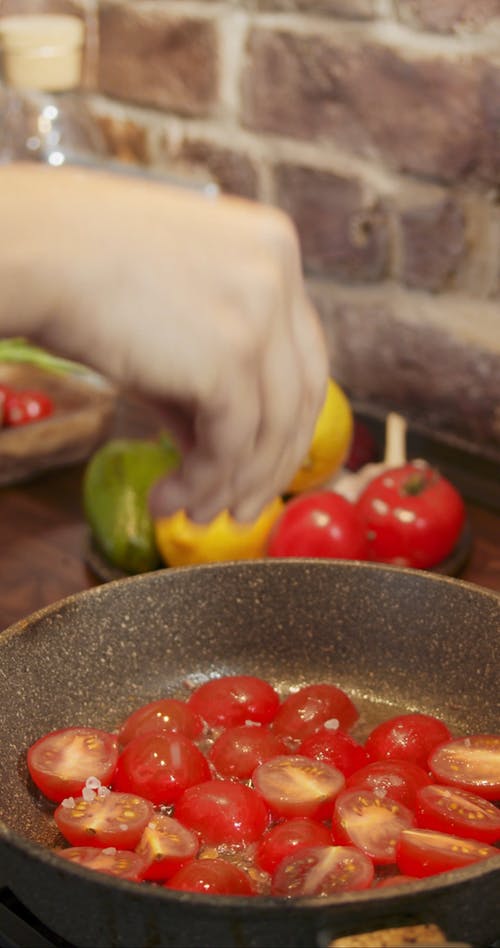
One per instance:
(43,117)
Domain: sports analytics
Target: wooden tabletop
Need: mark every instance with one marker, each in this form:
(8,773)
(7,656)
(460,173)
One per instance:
(43,534)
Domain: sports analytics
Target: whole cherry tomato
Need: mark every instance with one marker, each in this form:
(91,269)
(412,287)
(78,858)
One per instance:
(320,524)
(25,406)
(412,514)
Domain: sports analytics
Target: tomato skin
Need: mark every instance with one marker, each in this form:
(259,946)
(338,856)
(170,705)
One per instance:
(121,863)
(320,524)
(469,763)
(211,877)
(239,750)
(458,812)
(412,514)
(61,761)
(397,779)
(422,852)
(336,747)
(371,823)
(167,846)
(165,714)
(287,837)
(293,785)
(160,766)
(117,819)
(406,737)
(306,710)
(233,699)
(25,406)
(322,871)
(223,811)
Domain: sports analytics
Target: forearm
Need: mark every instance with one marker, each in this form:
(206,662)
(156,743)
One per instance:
(28,252)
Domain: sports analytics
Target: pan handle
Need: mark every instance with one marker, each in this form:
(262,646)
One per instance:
(424,935)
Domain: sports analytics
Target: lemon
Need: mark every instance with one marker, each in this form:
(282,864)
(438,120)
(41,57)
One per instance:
(330,442)
(182,542)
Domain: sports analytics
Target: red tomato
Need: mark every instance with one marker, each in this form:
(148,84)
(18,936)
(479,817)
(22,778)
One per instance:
(116,819)
(469,763)
(293,785)
(422,852)
(306,710)
(114,862)
(235,699)
(160,766)
(287,837)
(336,747)
(223,811)
(24,407)
(239,750)
(406,737)
(5,392)
(166,714)
(371,823)
(458,812)
(167,846)
(60,762)
(323,871)
(212,877)
(397,779)
(412,515)
(320,524)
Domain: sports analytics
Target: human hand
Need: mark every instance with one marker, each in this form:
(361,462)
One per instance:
(201,306)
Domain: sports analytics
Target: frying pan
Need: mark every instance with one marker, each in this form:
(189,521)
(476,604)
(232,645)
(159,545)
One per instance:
(395,639)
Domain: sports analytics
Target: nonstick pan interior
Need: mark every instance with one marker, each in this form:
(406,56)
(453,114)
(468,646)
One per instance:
(395,639)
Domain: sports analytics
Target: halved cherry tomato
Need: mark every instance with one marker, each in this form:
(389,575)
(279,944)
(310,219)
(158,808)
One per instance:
(239,750)
(166,714)
(413,516)
(336,747)
(371,823)
(406,737)
(116,819)
(113,862)
(293,785)
(422,852)
(235,699)
(223,811)
(397,779)
(25,406)
(160,766)
(459,812)
(287,837)
(211,877)
(320,524)
(323,870)
(306,710)
(470,763)
(61,761)
(167,846)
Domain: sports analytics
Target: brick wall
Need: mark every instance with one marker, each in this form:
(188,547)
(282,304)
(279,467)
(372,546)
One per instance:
(376,125)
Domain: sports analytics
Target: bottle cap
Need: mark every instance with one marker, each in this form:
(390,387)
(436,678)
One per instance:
(42,52)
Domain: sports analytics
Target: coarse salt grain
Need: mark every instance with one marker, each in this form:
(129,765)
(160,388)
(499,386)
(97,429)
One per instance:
(103,791)
(332,724)
(88,794)
(110,851)
(68,803)
(93,782)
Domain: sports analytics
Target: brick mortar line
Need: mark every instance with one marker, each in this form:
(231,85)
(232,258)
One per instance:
(452,311)
(272,148)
